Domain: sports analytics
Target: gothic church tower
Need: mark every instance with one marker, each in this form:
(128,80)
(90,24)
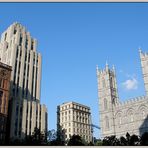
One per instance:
(144,65)
(108,98)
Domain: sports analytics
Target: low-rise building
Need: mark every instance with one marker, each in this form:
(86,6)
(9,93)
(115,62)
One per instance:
(74,119)
(5,75)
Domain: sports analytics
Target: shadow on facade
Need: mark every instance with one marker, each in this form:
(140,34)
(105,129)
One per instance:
(144,126)
(15,112)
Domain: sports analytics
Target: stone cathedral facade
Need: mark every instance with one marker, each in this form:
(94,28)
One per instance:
(116,117)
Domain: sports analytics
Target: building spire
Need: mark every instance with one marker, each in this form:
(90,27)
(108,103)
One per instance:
(113,68)
(97,68)
(139,49)
(106,65)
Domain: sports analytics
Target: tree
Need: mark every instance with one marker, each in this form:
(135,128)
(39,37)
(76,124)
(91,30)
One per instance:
(110,141)
(128,138)
(76,140)
(134,140)
(98,142)
(37,138)
(51,135)
(56,138)
(123,141)
(144,139)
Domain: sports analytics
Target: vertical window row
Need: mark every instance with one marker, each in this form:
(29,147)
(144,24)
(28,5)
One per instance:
(26,117)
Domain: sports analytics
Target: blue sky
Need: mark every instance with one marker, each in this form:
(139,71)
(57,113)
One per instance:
(75,37)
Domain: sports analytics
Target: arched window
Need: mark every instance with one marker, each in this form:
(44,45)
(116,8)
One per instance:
(103,83)
(130,115)
(143,114)
(105,104)
(106,123)
(119,118)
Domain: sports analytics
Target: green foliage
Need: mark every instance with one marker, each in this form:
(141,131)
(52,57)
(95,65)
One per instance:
(111,141)
(56,138)
(76,140)
(134,140)
(98,142)
(123,141)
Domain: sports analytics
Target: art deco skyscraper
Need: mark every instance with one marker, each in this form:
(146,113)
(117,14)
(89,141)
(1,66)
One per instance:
(18,49)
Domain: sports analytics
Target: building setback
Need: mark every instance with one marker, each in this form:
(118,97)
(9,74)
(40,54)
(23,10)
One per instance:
(118,118)
(5,75)
(74,119)
(18,49)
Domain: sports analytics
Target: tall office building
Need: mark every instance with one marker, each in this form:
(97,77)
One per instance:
(74,119)
(5,74)
(18,49)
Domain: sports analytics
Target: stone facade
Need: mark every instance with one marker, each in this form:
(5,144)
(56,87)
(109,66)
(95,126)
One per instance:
(18,49)
(74,118)
(5,75)
(118,118)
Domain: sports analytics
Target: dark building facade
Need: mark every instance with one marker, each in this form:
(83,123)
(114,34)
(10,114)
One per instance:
(5,75)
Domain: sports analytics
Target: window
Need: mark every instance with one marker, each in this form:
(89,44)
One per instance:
(105,103)
(3,83)
(5,36)
(143,114)
(20,53)
(14,31)
(111,82)
(32,45)
(0,82)
(5,104)
(106,122)
(17,109)
(20,41)
(1,94)
(130,116)
(29,58)
(119,119)
(103,83)
(26,45)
